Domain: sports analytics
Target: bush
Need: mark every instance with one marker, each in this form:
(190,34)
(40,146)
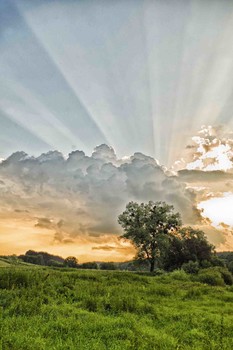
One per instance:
(159,272)
(191,267)
(108,266)
(205,264)
(230,266)
(216,261)
(179,275)
(89,266)
(226,275)
(211,276)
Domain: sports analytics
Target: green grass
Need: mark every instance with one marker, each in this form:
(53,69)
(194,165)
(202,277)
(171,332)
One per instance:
(102,310)
(4,263)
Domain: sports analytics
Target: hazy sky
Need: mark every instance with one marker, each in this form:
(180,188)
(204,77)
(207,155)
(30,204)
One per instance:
(139,76)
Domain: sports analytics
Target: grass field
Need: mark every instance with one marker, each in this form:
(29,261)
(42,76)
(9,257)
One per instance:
(4,263)
(97,310)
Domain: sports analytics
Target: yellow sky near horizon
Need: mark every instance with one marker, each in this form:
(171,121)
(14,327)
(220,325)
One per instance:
(18,235)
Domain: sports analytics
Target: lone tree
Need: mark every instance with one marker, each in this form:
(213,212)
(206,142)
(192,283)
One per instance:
(148,227)
(71,261)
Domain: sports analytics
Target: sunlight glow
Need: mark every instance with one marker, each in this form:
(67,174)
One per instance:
(219,209)
(213,152)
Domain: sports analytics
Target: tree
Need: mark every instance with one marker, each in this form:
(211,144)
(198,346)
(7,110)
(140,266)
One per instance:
(149,227)
(71,261)
(196,245)
(189,245)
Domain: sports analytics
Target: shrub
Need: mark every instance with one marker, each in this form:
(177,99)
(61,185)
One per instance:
(89,266)
(226,275)
(159,272)
(205,264)
(179,275)
(191,267)
(108,266)
(216,261)
(230,266)
(211,276)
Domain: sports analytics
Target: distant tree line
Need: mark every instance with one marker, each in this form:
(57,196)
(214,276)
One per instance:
(46,259)
(42,258)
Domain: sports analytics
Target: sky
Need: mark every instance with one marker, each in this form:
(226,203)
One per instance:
(103,102)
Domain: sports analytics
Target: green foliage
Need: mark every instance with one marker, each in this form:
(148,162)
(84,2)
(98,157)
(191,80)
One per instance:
(216,261)
(191,267)
(148,227)
(189,245)
(89,266)
(108,266)
(211,276)
(155,230)
(230,266)
(112,310)
(226,275)
(71,261)
(16,278)
(227,259)
(215,276)
(180,275)
(41,258)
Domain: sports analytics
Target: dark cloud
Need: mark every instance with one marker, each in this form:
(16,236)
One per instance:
(21,211)
(104,247)
(44,223)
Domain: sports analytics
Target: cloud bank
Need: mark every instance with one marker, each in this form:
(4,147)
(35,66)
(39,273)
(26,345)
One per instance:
(81,196)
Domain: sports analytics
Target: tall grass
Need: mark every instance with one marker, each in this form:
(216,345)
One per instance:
(85,310)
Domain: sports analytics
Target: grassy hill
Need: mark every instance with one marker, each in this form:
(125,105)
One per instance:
(112,310)
(14,262)
(4,263)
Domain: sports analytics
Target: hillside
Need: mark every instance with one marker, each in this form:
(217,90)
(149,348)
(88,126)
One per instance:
(4,263)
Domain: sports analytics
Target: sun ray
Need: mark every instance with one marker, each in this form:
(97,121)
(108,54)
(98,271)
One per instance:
(31,114)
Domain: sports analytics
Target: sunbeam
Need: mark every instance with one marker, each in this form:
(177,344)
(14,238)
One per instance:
(112,88)
(29,113)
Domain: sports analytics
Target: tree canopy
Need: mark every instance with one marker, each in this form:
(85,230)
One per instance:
(148,226)
(71,261)
(188,245)
(156,232)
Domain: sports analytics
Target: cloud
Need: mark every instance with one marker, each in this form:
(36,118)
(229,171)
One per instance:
(210,150)
(78,198)
(82,196)
(104,247)
(44,223)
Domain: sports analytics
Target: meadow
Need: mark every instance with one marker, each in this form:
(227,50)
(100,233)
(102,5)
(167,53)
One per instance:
(48,308)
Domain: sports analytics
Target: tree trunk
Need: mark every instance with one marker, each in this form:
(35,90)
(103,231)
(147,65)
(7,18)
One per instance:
(152,265)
